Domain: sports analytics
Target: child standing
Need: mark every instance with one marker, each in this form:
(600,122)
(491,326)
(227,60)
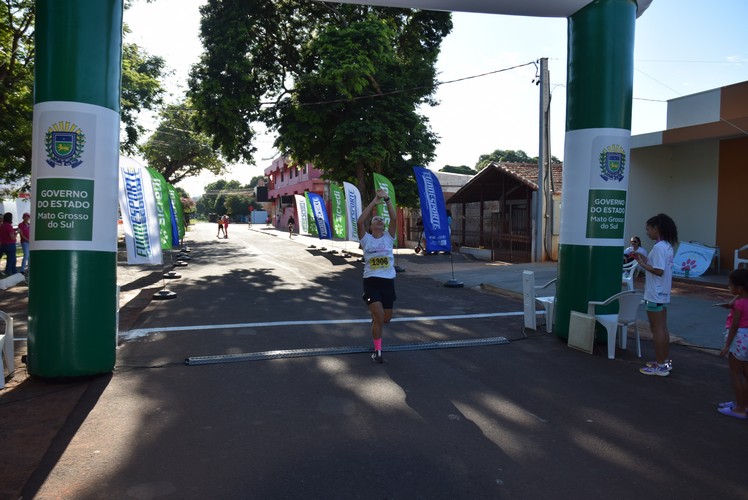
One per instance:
(736,345)
(659,279)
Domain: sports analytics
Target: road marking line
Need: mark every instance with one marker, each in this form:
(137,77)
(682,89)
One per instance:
(141,332)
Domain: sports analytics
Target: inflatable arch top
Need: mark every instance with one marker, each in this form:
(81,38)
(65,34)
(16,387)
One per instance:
(535,8)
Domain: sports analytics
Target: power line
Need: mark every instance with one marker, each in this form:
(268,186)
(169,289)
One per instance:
(411,89)
(656,80)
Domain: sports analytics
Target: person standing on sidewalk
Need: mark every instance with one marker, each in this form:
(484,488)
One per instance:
(8,238)
(659,280)
(24,230)
(736,345)
(379,267)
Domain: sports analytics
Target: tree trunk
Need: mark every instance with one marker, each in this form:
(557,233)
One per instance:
(361,181)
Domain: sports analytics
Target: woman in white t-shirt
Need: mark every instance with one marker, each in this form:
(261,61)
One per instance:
(636,247)
(379,268)
(659,279)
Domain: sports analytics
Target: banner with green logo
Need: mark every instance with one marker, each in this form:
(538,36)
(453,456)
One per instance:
(382,182)
(310,224)
(338,205)
(161,193)
(176,203)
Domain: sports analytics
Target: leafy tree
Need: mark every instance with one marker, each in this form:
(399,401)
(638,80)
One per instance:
(16,84)
(345,82)
(237,204)
(214,198)
(503,156)
(507,156)
(201,209)
(177,150)
(188,204)
(462,169)
(255,180)
(141,89)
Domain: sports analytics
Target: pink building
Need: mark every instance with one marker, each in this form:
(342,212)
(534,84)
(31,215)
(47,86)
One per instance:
(287,179)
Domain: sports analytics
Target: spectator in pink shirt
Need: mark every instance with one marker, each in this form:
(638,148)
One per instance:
(24,229)
(8,243)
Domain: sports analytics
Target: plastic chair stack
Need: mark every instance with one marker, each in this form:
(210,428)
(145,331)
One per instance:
(629,271)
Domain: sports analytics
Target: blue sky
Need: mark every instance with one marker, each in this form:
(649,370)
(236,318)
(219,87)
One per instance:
(682,47)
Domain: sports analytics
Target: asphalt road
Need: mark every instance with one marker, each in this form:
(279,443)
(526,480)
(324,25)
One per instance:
(523,420)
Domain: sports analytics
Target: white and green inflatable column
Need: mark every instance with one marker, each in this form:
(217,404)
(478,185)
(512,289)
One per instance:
(72,277)
(596,155)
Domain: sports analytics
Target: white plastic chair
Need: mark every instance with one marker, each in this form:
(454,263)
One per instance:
(629,271)
(738,260)
(530,300)
(6,348)
(618,323)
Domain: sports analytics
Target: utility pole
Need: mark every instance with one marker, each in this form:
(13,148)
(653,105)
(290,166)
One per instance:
(543,160)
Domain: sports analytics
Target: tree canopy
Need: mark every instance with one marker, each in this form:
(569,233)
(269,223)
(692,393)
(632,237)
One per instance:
(16,85)
(340,84)
(224,197)
(462,169)
(177,150)
(507,156)
(141,89)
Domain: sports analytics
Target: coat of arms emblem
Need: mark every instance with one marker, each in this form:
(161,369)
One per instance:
(612,163)
(64,144)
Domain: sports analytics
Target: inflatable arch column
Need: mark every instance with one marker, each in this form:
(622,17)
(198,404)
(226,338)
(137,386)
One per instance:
(73,275)
(599,90)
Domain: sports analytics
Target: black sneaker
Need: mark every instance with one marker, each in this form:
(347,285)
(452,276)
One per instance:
(377,357)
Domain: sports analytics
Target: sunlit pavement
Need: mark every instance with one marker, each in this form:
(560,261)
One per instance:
(527,419)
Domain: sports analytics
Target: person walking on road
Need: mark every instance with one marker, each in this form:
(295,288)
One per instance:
(379,269)
(659,279)
(736,345)
(225,226)
(220,227)
(291,223)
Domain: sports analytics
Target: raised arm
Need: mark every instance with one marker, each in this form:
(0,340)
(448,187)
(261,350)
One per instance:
(393,217)
(366,213)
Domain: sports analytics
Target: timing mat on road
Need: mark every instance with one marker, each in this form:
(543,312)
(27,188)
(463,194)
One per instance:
(330,351)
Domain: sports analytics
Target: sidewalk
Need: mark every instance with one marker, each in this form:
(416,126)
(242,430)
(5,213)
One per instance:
(692,317)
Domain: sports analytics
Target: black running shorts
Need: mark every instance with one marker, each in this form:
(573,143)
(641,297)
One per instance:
(379,290)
